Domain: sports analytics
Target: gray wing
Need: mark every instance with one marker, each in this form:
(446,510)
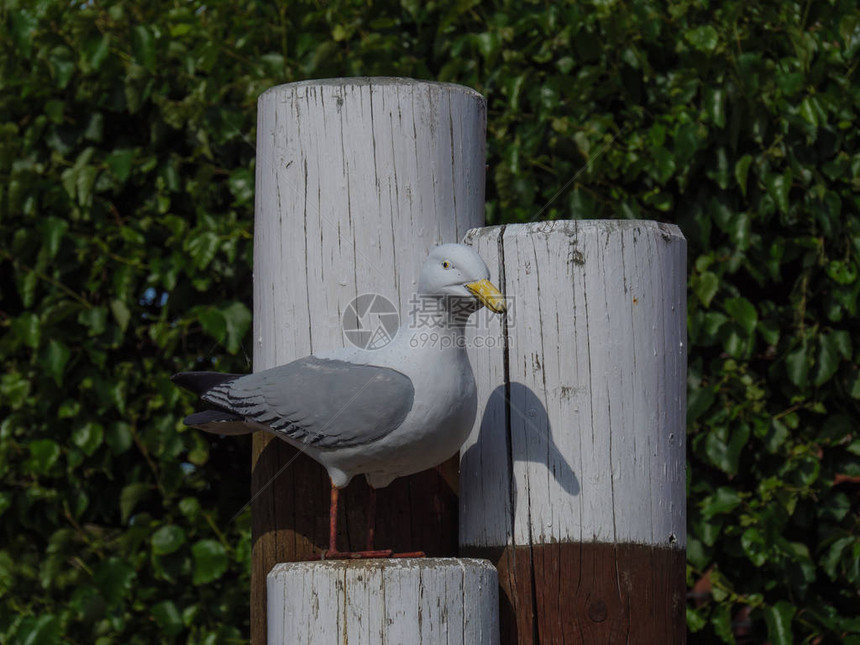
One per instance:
(320,402)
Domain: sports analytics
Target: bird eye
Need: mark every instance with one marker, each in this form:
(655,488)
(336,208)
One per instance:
(446,264)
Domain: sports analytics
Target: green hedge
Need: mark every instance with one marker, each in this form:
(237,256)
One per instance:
(126,204)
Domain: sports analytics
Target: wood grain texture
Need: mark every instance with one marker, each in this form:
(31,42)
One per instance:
(356,180)
(581,438)
(583,593)
(420,601)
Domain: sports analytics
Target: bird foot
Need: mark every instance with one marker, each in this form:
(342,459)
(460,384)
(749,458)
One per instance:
(364,555)
(351,555)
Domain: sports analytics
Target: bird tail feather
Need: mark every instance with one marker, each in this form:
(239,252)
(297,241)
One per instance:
(219,422)
(201,382)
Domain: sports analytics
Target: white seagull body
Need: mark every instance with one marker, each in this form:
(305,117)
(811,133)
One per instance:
(383,413)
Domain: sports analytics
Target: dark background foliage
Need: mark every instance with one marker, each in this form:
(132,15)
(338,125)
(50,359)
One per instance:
(126,212)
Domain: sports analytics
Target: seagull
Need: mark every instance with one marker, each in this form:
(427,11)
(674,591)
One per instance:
(382,413)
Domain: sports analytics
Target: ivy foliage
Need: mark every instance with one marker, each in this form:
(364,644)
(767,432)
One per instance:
(126,205)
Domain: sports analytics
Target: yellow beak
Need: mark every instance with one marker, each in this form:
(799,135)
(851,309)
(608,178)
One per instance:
(486,292)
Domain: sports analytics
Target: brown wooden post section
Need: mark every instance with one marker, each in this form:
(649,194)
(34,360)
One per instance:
(356,180)
(573,481)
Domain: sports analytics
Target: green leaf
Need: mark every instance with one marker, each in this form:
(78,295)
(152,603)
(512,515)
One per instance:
(805,470)
(237,319)
(838,506)
(743,312)
(832,559)
(27,329)
(723,454)
(62,65)
(23,24)
(85,178)
(95,50)
(129,498)
(44,453)
(855,388)
(5,503)
(721,619)
(15,389)
(698,402)
(120,162)
(832,347)
(241,183)
(724,500)
(143,46)
(778,618)
(53,230)
(809,112)
(719,171)
(695,621)
(778,187)
(86,603)
(118,437)
(189,507)
(120,313)
(95,319)
(754,546)
(664,164)
(842,272)
(687,142)
(210,561)
(54,358)
(797,364)
(704,38)
(114,578)
(715,105)
(741,231)
(168,617)
(88,437)
(705,286)
(39,630)
(167,539)
(776,435)
(213,322)
(202,248)
(790,83)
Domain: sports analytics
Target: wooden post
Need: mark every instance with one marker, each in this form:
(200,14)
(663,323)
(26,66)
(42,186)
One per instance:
(356,180)
(573,481)
(433,600)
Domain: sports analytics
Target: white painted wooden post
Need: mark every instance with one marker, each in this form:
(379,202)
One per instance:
(357,179)
(407,601)
(573,480)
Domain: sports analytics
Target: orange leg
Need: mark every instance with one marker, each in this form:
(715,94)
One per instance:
(332,521)
(371,516)
(332,553)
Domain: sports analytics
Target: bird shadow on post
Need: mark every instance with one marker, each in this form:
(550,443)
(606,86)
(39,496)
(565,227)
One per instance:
(532,441)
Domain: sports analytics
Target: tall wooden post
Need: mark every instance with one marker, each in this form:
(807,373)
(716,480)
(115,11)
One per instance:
(356,180)
(573,481)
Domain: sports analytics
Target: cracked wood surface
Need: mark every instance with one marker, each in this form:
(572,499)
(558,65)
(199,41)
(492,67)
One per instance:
(420,601)
(573,480)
